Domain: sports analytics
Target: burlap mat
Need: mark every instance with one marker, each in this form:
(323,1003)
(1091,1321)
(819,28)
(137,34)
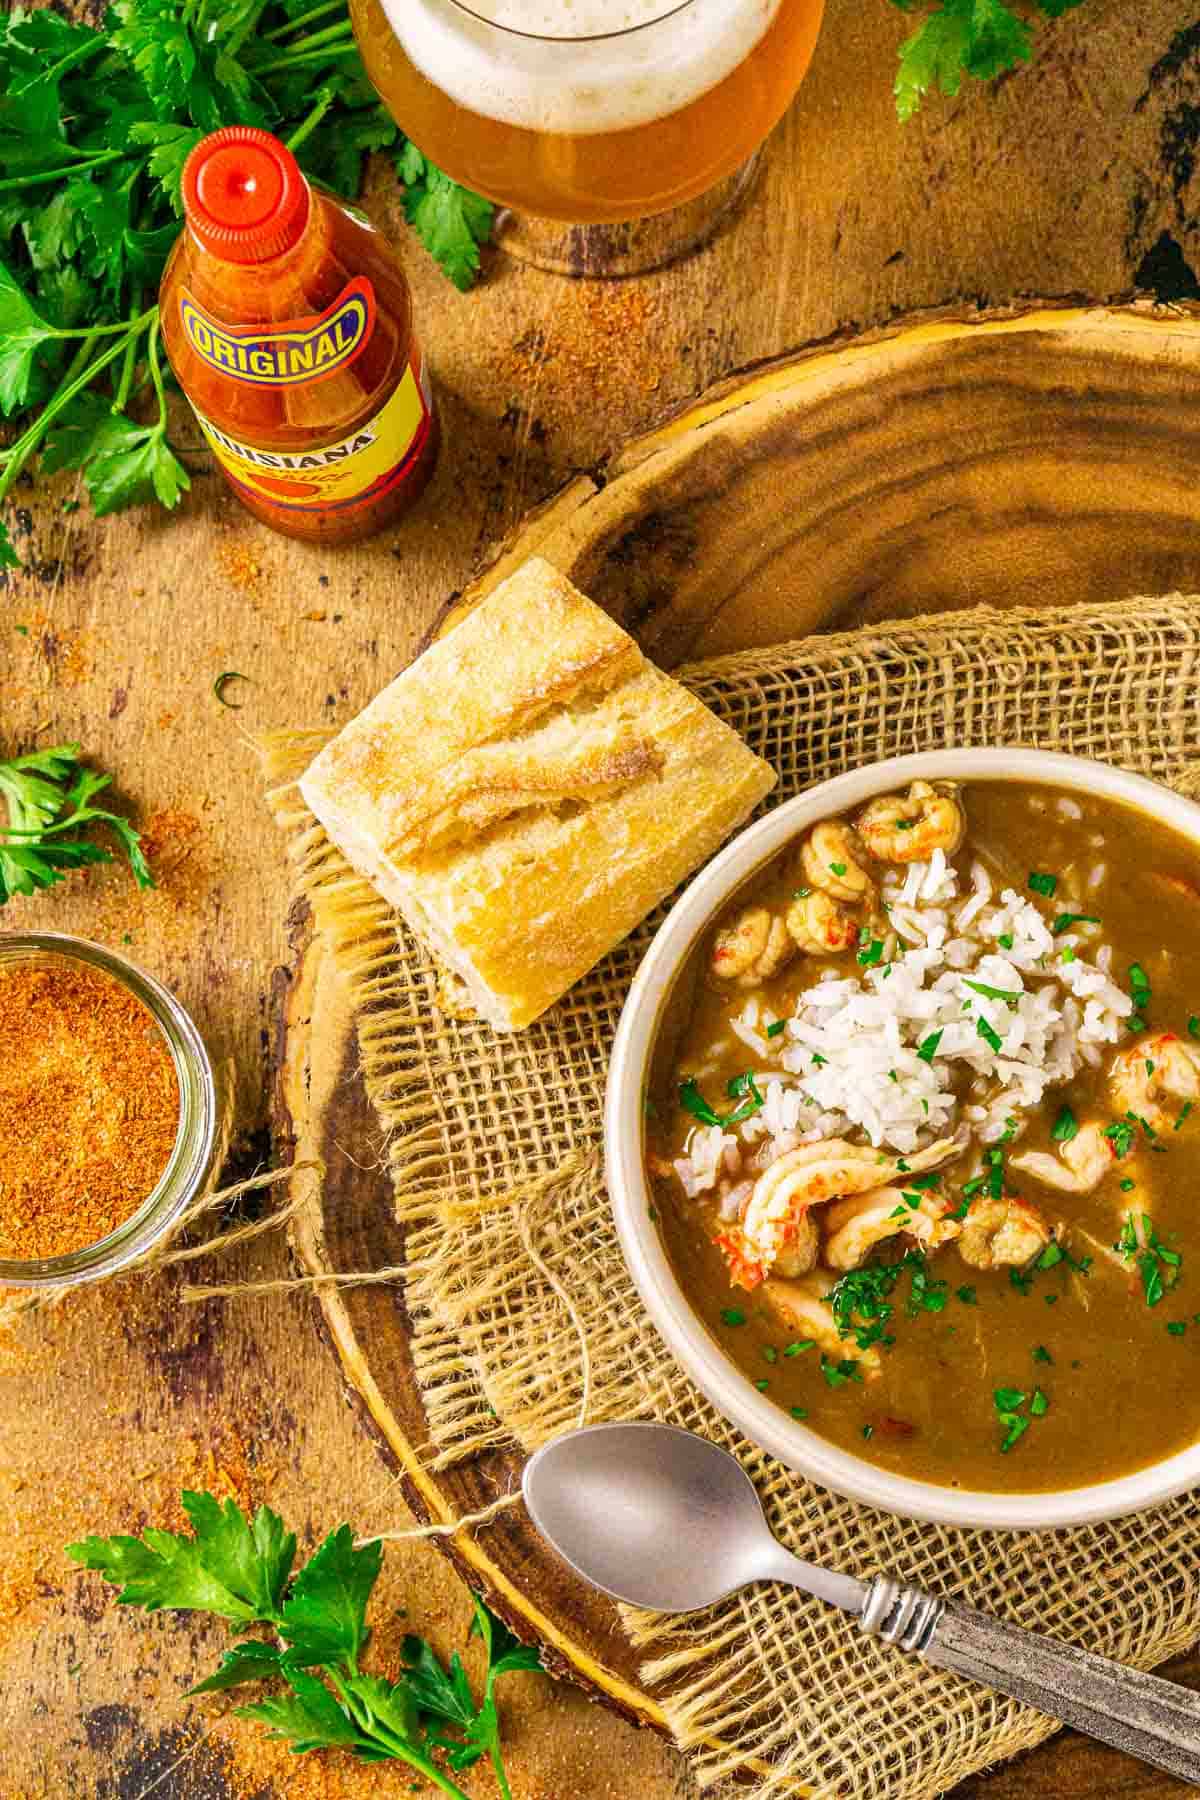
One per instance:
(526,1321)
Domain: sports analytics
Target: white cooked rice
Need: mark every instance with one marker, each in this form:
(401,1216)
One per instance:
(848,1060)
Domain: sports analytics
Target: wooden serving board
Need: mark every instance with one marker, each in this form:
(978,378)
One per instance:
(943,462)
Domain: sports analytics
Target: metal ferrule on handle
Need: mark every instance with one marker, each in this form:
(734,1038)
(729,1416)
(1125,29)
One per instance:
(1141,1714)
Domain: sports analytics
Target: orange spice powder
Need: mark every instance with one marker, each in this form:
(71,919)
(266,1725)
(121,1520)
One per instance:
(89,1107)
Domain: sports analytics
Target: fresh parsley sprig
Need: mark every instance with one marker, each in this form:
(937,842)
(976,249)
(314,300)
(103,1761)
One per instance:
(981,38)
(241,1570)
(48,797)
(96,123)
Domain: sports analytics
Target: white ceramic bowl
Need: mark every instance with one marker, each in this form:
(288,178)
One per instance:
(725,1385)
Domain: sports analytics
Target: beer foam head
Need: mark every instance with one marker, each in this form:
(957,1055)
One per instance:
(577,66)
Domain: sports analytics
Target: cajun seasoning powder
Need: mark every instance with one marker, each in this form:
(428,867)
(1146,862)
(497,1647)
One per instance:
(288,323)
(89,1107)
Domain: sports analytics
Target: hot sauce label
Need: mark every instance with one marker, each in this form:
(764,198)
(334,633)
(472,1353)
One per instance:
(280,356)
(352,470)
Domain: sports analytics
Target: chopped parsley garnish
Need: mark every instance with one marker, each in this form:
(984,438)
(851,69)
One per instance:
(1140,994)
(1054,1254)
(927,1050)
(775,1030)
(818,1060)
(693,1101)
(990,1036)
(837,868)
(873,954)
(967,1295)
(925,1295)
(995,1177)
(1016,1427)
(1008,1403)
(868,1431)
(763,1384)
(973,1186)
(838,1374)
(801,893)
(1064,921)
(1177,1327)
(732,1315)
(1005,940)
(770,1353)
(798,1412)
(1127,1185)
(1041,1354)
(1065,1127)
(800,1345)
(1151,1255)
(1043,884)
(1187,1107)
(1194,1025)
(1021,1281)
(1009,996)
(863,1294)
(1120,1135)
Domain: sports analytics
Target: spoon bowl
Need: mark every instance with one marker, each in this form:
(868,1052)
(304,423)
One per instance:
(660,1518)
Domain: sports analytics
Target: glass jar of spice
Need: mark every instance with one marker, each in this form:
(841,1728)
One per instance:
(108,1111)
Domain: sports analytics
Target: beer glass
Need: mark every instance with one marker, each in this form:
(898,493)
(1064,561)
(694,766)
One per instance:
(592,113)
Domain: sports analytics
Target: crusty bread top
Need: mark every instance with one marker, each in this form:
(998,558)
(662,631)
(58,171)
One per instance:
(529,789)
(449,737)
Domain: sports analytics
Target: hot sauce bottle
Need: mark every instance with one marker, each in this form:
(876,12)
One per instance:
(288,324)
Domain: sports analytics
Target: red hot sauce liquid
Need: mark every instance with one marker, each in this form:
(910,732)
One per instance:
(288,323)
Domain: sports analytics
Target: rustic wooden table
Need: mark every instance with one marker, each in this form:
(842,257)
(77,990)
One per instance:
(1071,177)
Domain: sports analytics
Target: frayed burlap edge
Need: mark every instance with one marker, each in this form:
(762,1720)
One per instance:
(503,1274)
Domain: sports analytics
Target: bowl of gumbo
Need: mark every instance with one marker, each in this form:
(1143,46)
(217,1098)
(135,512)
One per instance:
(913,1189)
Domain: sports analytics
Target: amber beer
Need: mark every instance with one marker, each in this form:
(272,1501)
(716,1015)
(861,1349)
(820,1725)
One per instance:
(587,110)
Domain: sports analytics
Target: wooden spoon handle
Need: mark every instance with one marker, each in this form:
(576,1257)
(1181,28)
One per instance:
(1140,1714)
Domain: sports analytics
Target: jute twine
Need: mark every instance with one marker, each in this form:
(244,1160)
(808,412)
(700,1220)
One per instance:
(525,1320)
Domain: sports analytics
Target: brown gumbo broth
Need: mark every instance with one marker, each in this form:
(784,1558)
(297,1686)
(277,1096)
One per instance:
(1075,1356)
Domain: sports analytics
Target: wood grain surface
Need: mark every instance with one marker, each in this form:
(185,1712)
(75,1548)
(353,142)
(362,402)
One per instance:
(742,519)
(1074,177)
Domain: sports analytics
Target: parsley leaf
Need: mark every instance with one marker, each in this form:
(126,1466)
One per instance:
(227,1567)
(324,1619)
(1008,995)
(1065,920)
(450,221)
(1065,1127)
(309,1717)
(693,1101)
(241,1570)
(49,795)
(250,1661)
(123,463)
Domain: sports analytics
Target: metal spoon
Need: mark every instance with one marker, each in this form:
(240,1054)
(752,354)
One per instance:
(663,1519)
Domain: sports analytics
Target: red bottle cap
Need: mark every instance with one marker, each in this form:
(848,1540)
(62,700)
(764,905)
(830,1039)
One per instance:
(244,196)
